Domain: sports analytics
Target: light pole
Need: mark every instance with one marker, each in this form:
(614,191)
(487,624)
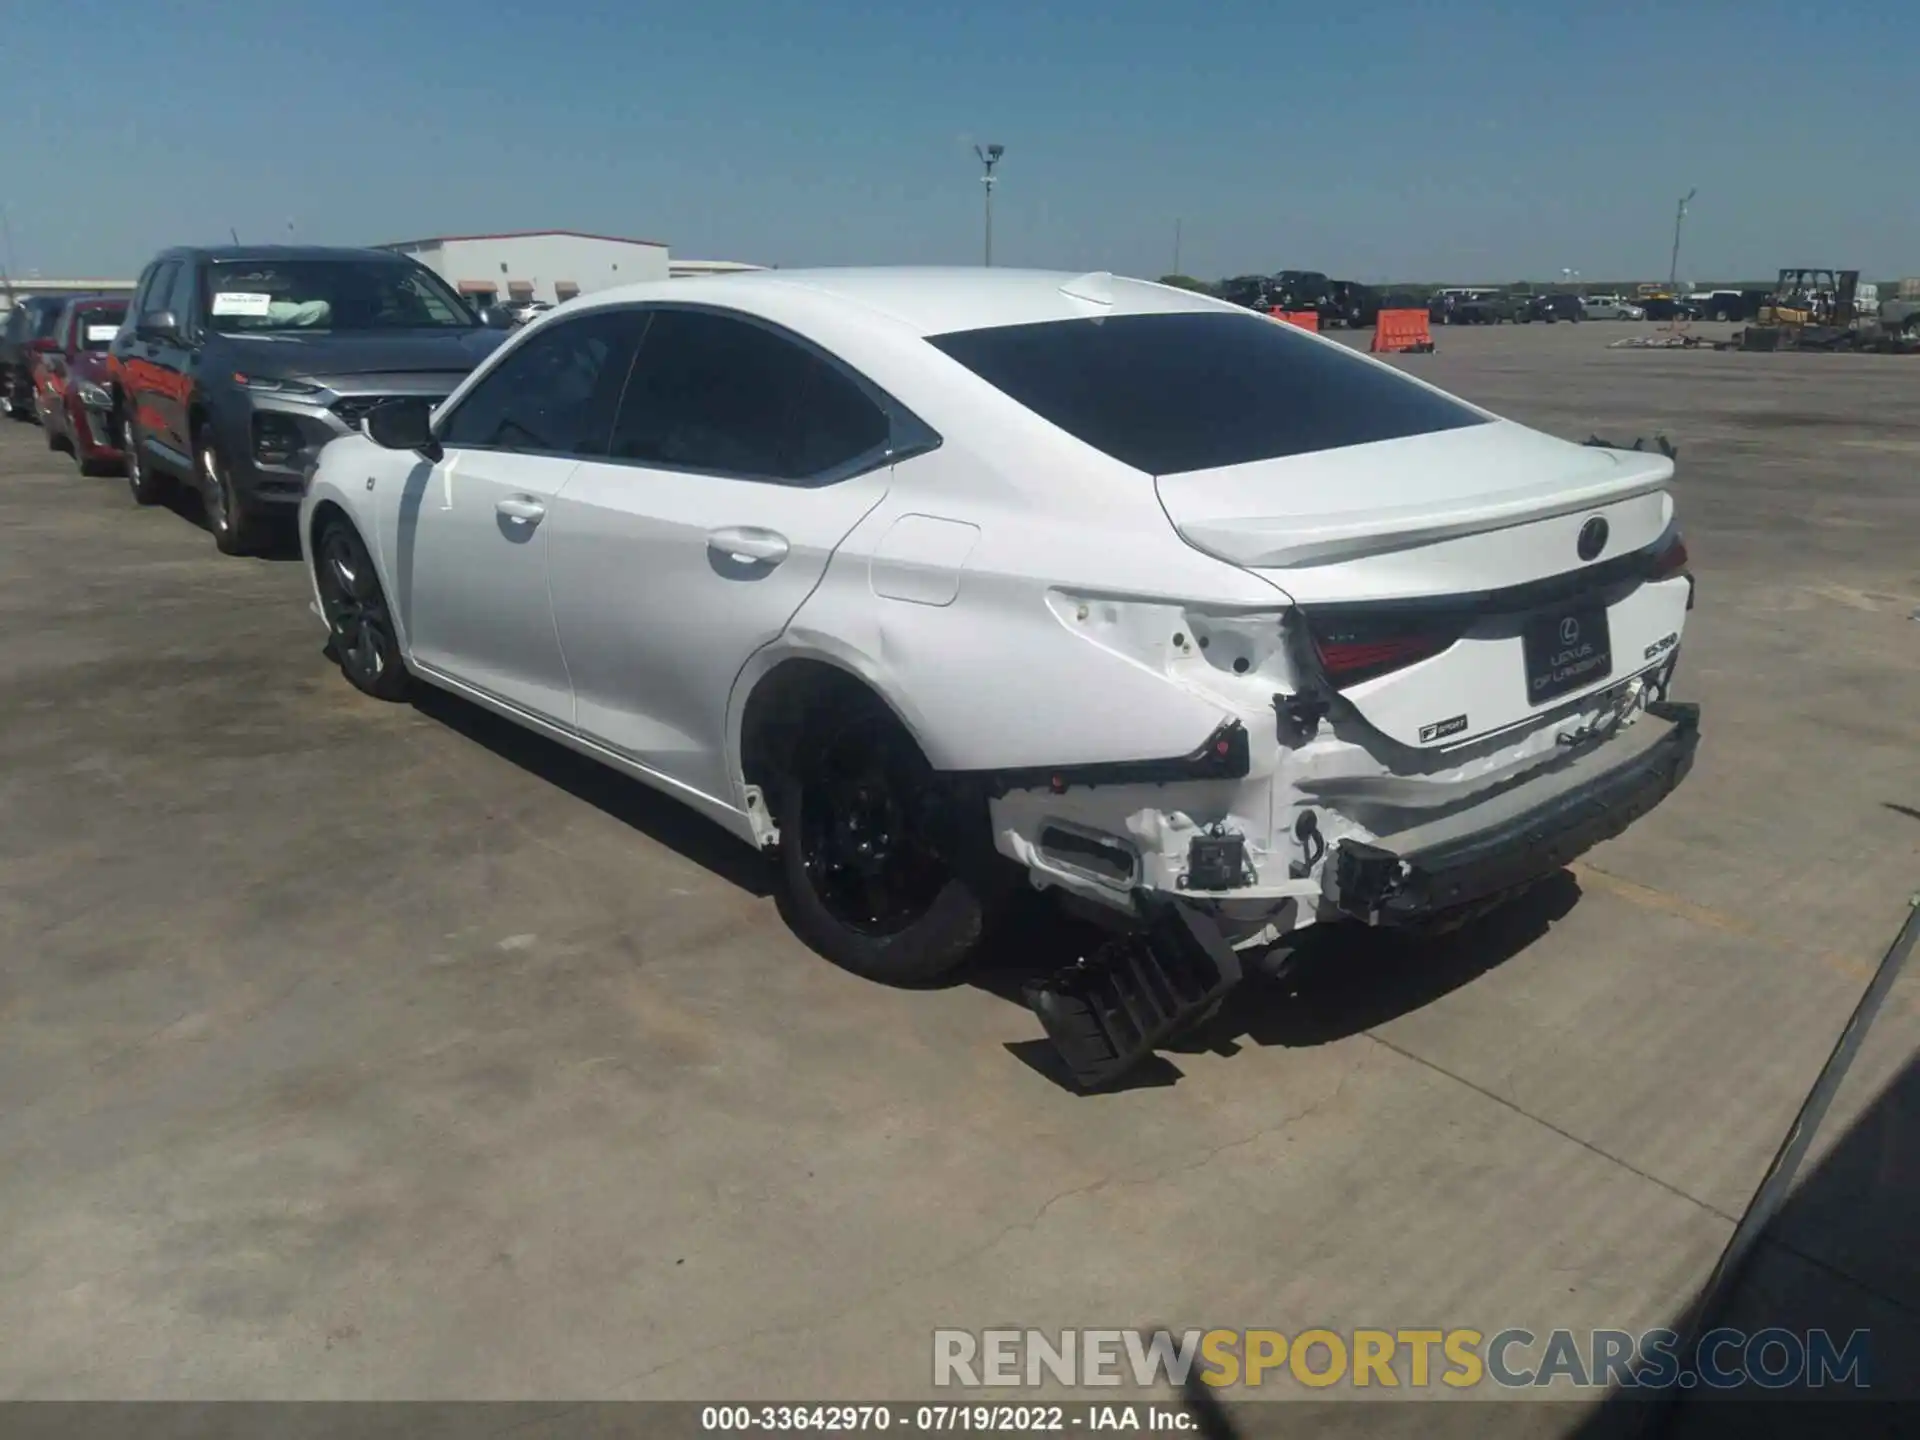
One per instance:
(1571,277)
(1680,214)
(989,157)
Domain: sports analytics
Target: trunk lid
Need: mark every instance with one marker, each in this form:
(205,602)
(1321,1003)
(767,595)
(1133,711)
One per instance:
(1444,578)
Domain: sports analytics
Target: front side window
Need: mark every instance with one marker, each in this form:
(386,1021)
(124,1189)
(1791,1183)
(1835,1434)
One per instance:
(153,299)
(180,297)
(554,394)
(248,297)
(46,321)
(714,393)
(1171,393)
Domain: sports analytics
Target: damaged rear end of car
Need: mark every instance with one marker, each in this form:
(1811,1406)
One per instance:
(1462,682)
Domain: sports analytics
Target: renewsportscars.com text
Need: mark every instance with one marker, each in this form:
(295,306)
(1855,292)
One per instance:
(1458,1359)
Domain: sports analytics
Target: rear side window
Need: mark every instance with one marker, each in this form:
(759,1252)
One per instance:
(1194,391)
(713,393)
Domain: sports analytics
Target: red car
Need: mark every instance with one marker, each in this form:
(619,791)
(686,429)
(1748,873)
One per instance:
(71,389)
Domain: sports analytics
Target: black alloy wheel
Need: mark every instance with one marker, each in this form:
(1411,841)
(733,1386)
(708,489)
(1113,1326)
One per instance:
(865,836)
(876,857)
(362,637)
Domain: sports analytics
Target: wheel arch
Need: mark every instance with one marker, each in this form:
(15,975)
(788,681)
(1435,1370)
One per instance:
(325,509)
(776,691)
(199,416)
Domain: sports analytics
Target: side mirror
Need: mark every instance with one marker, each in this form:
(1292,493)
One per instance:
(163,323)
(497,317)
(404,424)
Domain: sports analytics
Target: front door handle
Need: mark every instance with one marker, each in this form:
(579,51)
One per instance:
(748,545)
(523,508)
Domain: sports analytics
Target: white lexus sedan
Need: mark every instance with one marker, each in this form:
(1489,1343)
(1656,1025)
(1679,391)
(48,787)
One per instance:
(927,580)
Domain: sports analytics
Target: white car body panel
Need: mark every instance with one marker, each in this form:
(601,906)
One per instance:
(657,613)
(492,626)
(1019,599)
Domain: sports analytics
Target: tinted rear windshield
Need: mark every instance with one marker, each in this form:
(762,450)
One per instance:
(1193,391)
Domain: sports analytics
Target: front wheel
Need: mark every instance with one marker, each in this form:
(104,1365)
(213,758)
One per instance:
(361,634)
(148,486)
(236,526)
(871,854)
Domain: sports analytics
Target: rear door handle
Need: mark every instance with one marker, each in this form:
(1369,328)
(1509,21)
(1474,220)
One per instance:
(748,545)
(523,508)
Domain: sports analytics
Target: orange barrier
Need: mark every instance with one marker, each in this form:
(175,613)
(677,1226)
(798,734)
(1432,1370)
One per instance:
(1399,330)
(1305,319)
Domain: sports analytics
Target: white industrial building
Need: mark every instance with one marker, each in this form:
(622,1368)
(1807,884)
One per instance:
(550,265)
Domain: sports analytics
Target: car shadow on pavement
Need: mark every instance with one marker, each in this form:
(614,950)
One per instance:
(1339,981)
(654,815)
(1346,979)
(281,542)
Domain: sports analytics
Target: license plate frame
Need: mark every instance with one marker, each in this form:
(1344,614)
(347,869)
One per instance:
(1566,649)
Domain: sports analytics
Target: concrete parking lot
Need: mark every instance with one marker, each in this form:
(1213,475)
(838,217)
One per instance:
(353,1050)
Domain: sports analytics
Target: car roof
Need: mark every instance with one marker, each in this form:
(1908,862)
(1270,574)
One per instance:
(282,252)
(932,300)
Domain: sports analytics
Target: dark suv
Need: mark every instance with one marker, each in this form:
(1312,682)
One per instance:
(1351,304)
(1298,291)
(1551,308)
(236,365)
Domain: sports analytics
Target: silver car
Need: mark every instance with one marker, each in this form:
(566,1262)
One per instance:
(1612,307)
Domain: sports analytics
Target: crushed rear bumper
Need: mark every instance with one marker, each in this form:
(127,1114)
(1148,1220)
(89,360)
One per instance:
(1516,836)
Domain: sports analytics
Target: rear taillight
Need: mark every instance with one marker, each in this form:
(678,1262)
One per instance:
(1668,561)
(1351,652)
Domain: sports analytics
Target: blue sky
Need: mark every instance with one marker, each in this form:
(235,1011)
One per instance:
(1467,140)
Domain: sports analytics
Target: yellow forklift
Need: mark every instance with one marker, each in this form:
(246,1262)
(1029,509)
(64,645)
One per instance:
(1808,310)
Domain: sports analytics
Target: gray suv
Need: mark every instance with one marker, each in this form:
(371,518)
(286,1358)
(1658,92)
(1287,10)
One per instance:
(236,365)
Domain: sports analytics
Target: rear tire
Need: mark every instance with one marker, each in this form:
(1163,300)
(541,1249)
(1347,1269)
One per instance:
(362,637)
(876,869)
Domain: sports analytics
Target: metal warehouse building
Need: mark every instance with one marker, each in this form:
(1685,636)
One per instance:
(550,265)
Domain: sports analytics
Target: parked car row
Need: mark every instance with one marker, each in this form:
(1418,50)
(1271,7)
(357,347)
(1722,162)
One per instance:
(27,334)
(774,543)
(1468,306)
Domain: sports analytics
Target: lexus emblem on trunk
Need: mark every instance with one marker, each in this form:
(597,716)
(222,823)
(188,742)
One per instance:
(1569,630)
(1593,538)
